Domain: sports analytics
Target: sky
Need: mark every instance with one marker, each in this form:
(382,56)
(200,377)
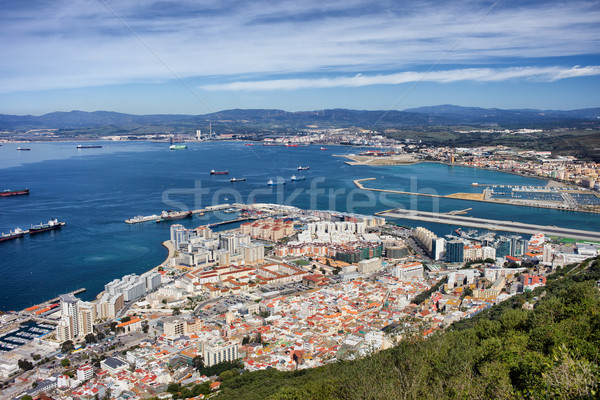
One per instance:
(198,57)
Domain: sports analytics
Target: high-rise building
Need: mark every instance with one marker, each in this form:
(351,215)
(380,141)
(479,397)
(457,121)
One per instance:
(77,318)
(455,251)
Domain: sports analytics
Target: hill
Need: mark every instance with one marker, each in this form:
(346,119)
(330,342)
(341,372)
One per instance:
(505,352)
(233,120)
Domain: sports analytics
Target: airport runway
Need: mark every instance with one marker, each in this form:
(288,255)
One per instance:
(491,224)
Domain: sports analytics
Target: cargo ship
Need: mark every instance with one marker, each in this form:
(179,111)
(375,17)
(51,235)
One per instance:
(213,172)
(50,226)
(297,178)
(89,146)
(237,180)
(173,215)
(9,192)
(23,148)
(291,145)
(140,218)
(271,182)
(17,233)
(177,147)
(301,168)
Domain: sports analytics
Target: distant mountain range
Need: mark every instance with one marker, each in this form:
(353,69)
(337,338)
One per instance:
(257,118)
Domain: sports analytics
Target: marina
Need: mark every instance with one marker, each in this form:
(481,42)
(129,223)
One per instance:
(24,334)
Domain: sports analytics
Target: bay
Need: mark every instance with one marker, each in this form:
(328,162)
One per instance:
(95,190)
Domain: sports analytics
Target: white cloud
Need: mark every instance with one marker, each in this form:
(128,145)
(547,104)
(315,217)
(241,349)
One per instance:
(67,44)
(546,74)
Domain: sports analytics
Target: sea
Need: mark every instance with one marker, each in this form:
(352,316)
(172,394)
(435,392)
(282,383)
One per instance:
(94,190)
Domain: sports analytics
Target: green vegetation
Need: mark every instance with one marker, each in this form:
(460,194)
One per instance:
(301,262)
(25,365)
(551,351)
(426,294)
(221,367)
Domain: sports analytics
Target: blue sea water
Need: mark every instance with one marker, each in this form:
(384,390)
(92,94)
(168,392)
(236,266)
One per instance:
(95,190)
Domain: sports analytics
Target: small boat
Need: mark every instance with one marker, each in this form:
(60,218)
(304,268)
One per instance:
(297,178)
(237,180)
(8,192)
(89,146)
(213,172)
(50,226)
(323,148)
(177,147)
(249,144)
(271,182)
(17,233)
(23,148)
(301,168)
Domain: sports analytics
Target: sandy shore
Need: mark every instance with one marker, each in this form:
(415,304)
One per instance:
(400,159)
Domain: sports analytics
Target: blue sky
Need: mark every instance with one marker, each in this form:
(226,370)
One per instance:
(196,57)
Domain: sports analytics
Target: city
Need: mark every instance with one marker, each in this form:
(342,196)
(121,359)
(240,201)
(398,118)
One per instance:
(294,289)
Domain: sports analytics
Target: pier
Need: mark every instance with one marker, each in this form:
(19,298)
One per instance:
(491,224)
(233,221)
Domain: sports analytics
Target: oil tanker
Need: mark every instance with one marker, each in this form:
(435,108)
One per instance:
(8,192)
(50,226)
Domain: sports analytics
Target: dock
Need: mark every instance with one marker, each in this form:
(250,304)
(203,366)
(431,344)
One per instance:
(233,221)
(74,293)
(491,224)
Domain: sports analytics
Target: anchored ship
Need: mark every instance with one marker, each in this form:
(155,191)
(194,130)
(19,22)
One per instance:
(140,218)
(273,183)
(9,192)
(50,226)
(237,180)
(301,168)
(213,172)
(23,148)
(297,178)
(89,146)
(177,147)
(17,233)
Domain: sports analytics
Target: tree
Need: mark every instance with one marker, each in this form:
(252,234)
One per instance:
(125,319)
(198,363)
(245,340)
(176,311)
(145,328)
(65,362)
(36,357)
(100,336)
(113,326)
(90,338)
(67,347)
(173,388)
(25,365)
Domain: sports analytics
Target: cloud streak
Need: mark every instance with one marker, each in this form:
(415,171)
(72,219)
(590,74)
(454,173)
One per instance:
(541,74)
(68,43)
